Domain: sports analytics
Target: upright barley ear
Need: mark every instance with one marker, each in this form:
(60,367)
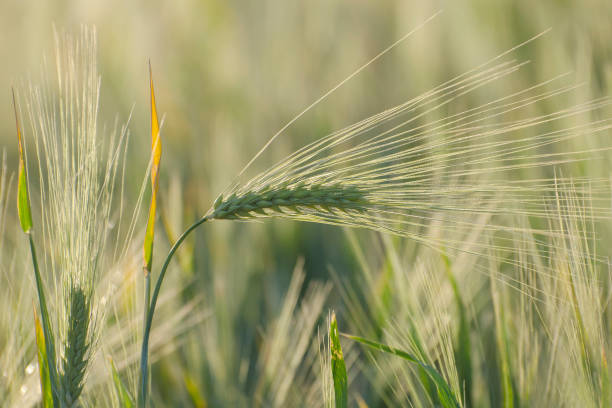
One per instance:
(77,166)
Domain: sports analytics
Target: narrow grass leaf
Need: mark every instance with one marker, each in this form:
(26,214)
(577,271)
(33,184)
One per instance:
(337,365)
(123,395)
(25,219)
(150,232)
(43,365)
(463,346)
(445,393)
(48,333)
(156,150)
(606,399)
(23,200)
(502,340)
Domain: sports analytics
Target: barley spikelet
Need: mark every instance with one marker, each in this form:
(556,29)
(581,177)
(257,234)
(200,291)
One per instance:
(77,348)
(291,199)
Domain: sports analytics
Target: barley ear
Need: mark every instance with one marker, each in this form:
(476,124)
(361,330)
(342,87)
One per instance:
(291,199)
(77,347)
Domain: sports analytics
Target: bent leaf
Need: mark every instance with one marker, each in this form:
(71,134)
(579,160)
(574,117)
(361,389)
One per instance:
(337,365)
(156,150)
(23,200)
(43,365)
(445,393)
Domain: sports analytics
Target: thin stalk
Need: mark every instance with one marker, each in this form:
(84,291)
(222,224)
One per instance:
(49,343)
(147,303)
(144,355)
(147,298)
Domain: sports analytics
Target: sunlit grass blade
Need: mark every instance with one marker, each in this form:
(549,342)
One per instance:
(337,365)
(445,393)
(463,347)
(156,150)
(502,341)
(43,365)
(123,395)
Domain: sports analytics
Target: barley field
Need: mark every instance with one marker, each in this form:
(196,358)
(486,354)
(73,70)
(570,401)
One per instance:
(342,203)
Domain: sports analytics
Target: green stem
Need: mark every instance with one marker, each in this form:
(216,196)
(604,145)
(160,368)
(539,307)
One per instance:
(144,354)
(49,342)
(147,299)
(147,304)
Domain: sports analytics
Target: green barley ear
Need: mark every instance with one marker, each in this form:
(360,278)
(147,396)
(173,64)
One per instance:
(23,199)
(295,199)
(77,348)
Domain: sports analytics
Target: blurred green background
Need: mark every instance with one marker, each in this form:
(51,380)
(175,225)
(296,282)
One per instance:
(228,75)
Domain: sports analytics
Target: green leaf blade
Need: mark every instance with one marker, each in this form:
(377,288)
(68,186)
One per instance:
(463,346)
(23,202)
(337,365)
(445,393)
(43,365)
(123,395)
(23,199)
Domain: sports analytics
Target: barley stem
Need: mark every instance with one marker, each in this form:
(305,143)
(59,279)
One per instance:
(144,355)
(147,299)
